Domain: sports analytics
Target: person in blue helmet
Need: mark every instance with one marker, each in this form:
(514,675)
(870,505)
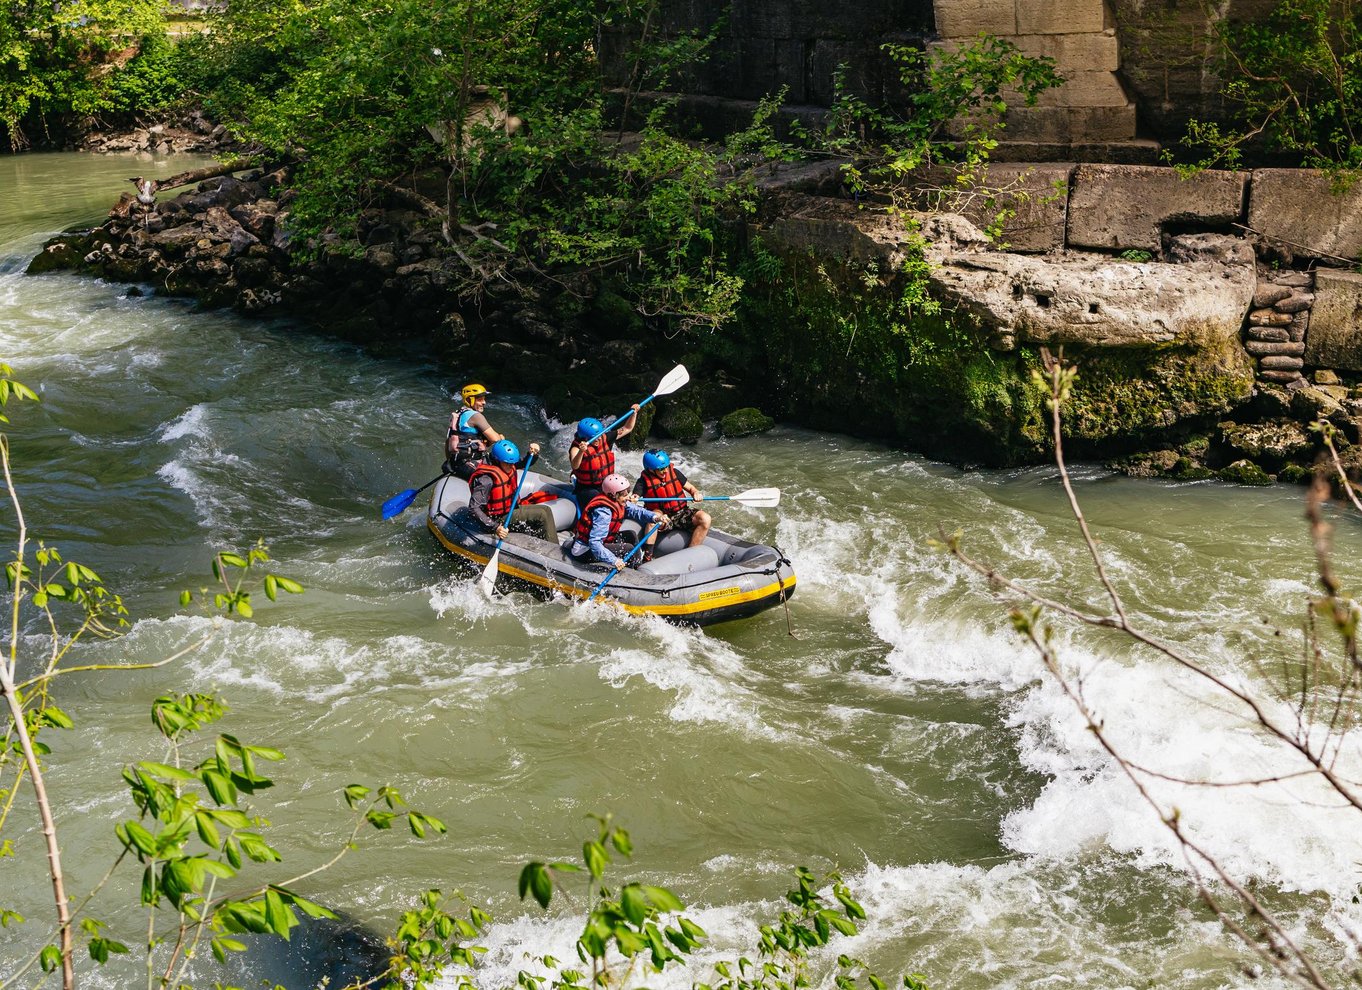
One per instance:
(661,480)
(492,491)
(592,453)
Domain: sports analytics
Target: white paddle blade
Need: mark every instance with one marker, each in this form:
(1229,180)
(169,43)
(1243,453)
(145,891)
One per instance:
(758,498)
(488,581)
(673,380)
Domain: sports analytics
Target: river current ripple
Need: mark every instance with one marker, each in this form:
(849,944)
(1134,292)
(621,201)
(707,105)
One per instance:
(906,737)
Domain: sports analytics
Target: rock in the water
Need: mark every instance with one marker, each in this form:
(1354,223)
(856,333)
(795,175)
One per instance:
(680,422)
(744,422)
(1245,473)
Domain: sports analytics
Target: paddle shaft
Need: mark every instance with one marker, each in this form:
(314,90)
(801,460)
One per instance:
(515,500)
(614,424)
(609,577)
(670,382)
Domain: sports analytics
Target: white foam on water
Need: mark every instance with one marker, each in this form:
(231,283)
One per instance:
(190,423)
(1293,834)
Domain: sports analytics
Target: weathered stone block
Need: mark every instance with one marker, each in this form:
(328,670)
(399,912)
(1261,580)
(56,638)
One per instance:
(1263,348)
(1269,334)
(1269,318)
(1300,325)
(1038,195)
(1082,88)
(1281,376)
(967,18)
(1300,207)
(1063,125)
(1126,206)
(1266,295)
(1281,362)
(1298,303)
(1057,16)
(1335,336)
(1099,302)
(1093,51)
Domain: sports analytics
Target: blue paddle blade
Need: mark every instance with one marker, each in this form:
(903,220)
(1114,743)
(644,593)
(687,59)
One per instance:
(398,503)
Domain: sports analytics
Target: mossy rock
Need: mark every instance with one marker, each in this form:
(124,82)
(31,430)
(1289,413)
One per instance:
(615,313)
(680,422)
(1295,474)
(1189,470)
(1245,473)
(745,422)
(637,438)
(58,256)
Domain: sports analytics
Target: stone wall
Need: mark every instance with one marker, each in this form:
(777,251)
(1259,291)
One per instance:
(1137,70)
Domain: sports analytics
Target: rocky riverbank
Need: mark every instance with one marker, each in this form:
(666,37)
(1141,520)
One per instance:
(1191,366)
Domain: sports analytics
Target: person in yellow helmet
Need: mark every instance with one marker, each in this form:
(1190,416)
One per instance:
(470,435)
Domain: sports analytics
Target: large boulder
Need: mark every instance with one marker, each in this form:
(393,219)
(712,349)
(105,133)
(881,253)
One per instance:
(1098,301)
(1334,338)
(1303,209)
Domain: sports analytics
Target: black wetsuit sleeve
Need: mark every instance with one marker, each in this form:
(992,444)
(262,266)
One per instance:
(477,501)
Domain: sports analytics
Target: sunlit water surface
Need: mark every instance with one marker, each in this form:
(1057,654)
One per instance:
(904,736)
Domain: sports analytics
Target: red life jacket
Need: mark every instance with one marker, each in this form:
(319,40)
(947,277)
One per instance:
(664,484)
(504,483)
(583,526)
(598,461)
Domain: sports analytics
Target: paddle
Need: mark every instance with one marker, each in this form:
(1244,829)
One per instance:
(488,581)
(671,381)
(616,570)
(757,498)
(399,502)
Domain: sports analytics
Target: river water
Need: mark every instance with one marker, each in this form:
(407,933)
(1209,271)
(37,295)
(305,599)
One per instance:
(905,737)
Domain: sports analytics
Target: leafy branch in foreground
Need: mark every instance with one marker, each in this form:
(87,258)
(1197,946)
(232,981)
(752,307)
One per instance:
(195,829)
(1315,704)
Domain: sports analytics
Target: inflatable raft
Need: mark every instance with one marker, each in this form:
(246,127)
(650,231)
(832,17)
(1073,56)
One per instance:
(724,578)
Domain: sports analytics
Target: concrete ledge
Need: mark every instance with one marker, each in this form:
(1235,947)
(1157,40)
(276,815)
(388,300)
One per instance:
(1334,339)
(1300,208)
(1119,207)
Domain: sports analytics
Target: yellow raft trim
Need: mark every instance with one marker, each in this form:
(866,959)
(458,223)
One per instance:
(577,592)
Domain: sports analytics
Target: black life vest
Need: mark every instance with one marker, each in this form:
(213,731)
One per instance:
(598,462)
(504,484)
(584,521)
(664,484)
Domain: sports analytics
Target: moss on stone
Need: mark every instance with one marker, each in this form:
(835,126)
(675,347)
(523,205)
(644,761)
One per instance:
(1295,474)
(1245,473)
(1189,470)
(745,422)
(680,422)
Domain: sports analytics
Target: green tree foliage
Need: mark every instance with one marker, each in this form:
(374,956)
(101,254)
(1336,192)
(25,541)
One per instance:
(70,58)
(1293,83)
(491,114)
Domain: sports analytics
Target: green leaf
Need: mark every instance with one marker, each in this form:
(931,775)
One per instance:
(289,585)
(271,586)
(355,793)
(277,915)
(207,830)
(166,770)
(220,786)
(232,559)
(634,903)
(663,899)
(535,880)
(50,958)
(185,599)
(595,857)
